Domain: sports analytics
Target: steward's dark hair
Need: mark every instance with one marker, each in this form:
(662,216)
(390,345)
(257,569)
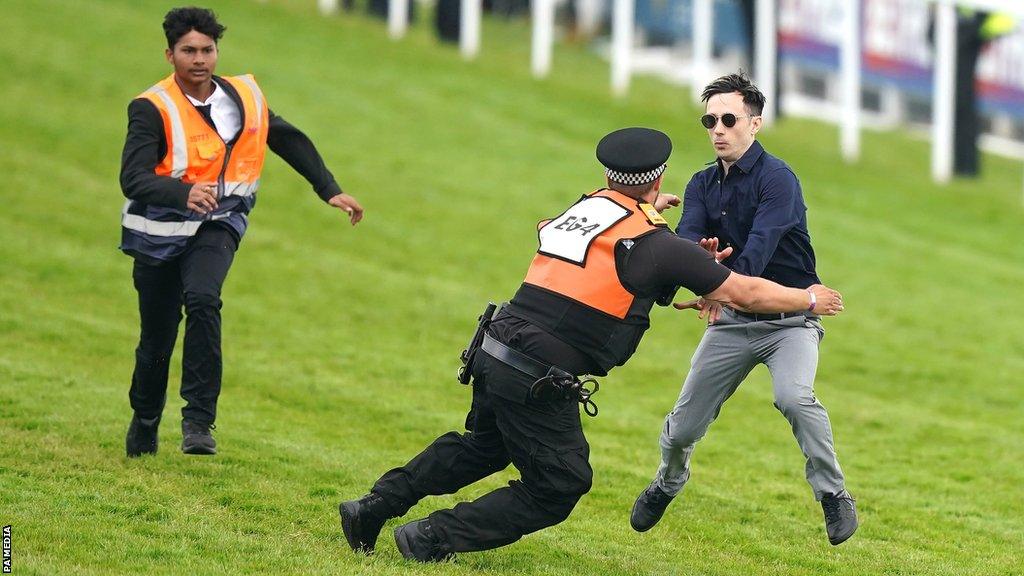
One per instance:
(753,99)
(181,21)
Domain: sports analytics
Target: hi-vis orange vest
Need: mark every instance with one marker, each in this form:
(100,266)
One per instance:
(197,153)
(572,289)
(576,257)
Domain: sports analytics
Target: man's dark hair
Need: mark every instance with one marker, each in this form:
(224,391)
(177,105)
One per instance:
(181,21)
(753,99)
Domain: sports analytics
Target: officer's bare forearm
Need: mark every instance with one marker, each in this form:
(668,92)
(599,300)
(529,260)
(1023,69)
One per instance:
(759,295)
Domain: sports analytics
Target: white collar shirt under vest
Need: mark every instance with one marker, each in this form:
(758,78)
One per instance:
(224,112)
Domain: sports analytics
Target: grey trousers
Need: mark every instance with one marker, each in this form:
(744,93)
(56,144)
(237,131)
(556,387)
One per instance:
(728,352)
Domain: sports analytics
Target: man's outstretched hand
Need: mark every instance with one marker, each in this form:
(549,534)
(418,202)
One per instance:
(348,205)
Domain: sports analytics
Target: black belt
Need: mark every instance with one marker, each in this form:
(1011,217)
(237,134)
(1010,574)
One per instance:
(777,316)
(544,375)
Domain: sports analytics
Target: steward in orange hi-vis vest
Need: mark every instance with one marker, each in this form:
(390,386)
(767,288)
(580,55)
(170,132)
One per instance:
(197,153)
(190,167)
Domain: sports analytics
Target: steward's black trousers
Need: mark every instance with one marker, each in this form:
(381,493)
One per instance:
(543,440)
(194,280)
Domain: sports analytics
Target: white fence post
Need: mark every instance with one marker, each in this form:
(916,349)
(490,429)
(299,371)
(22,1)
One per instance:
(543,14)
(469,26)
(398,18)
(588,16)
(703,37)
(623,21)
(943,92)
(765,55)
(850,63)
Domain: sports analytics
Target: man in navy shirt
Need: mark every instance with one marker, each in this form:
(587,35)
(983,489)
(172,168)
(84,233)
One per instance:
(747,209)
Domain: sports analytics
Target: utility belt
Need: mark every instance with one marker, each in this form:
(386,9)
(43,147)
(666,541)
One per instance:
(549,381)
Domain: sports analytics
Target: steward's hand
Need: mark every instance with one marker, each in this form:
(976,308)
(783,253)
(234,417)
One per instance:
(202,197)
(349,205)
(665,201)
(827,302)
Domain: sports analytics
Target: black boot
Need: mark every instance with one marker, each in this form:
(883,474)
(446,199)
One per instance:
(840,517)
(142,436)
(649,508)
(418,541)
(196,438)
(361,521)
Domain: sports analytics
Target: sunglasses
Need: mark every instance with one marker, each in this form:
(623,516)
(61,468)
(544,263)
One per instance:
(728,119)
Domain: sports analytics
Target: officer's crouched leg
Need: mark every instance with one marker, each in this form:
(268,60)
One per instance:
(556,482)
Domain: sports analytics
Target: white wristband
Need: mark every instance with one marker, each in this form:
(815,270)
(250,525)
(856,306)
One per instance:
(814,301)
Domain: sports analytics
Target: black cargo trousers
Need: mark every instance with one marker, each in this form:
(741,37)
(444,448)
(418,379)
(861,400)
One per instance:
(543,439)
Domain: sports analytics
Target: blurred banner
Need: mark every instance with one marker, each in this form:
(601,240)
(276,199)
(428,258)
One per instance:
(897,50)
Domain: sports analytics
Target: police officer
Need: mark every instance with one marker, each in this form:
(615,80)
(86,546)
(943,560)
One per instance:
(190,168)
(582,309)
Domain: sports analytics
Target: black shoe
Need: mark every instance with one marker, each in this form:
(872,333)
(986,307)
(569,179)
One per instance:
(196,438)
(142,437)
(840,517)
(361,521)
(418,541)
(649,508)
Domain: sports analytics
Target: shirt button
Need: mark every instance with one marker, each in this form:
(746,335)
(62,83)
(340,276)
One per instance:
(724,212)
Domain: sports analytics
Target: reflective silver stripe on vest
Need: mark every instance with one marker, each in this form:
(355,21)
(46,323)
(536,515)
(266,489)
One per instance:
(240,188)
(256,95)
(179,152)
(164,229)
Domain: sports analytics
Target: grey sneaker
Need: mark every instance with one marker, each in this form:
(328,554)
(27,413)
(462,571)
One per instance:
(418,541)
(196,438)
(649,508)
(840,517)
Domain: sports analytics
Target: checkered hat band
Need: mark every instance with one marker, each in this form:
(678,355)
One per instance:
(630,179)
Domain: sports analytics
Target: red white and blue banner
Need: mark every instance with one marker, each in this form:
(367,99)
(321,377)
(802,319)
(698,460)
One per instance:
(896,49)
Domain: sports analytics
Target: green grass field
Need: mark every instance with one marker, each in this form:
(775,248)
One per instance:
(341,344)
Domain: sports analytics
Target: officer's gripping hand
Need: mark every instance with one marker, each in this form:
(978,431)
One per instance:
(202,197)
(828,302)
(710,309)
(349,205)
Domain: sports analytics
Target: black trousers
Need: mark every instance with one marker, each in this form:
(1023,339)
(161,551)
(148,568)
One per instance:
(543,440)
(192,280)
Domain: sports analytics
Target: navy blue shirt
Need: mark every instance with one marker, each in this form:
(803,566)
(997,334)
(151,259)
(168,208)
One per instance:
(758,210)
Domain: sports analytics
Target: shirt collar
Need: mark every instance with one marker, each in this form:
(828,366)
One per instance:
(218,94)
(750,157)
(746,162)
